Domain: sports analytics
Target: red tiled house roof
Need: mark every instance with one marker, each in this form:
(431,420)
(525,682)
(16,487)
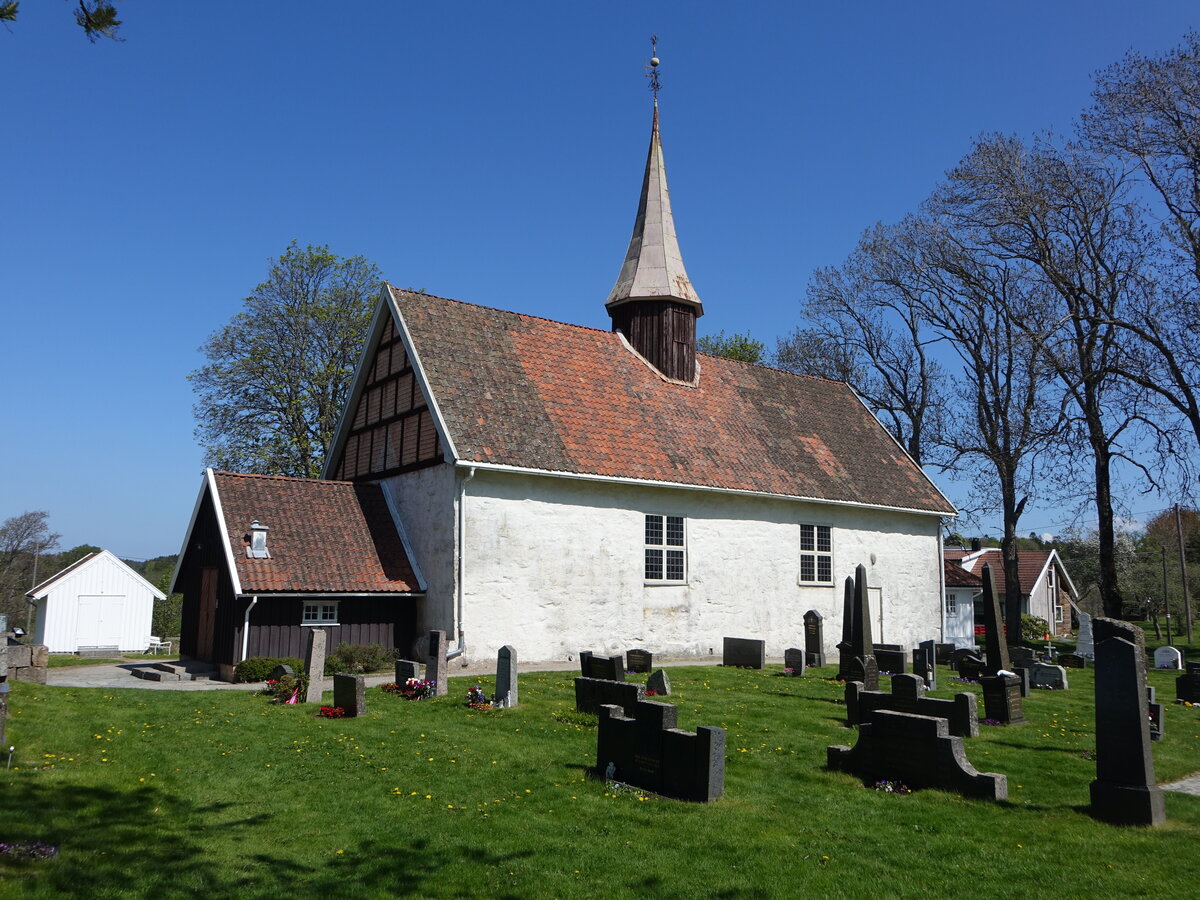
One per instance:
(957,576)
(323,537)
(1030,564)
(521,391)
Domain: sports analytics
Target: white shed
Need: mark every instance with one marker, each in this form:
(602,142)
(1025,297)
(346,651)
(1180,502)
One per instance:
(95,603)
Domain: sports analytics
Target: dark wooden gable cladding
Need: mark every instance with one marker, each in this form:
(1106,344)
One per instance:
(392,429)
(663,332)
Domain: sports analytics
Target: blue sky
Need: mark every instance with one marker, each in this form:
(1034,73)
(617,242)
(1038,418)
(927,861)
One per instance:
(490,152)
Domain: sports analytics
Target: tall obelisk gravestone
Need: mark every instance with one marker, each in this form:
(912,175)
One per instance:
(863,666)
(1125,791)
(845,647)
(1001,693)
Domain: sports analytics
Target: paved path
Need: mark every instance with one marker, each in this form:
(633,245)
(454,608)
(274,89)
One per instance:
(1187,786)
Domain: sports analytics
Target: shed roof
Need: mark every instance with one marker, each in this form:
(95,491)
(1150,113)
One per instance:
(83,562)
(324,537)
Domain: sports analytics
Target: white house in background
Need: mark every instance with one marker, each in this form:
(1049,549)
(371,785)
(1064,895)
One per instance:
(962,590)
(1046,588)
(96,602)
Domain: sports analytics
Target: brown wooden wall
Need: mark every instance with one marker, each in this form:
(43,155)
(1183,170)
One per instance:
(662,331)
(392,430)
(275,628)
(204,550)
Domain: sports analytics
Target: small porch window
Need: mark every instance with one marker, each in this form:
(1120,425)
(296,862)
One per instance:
(320,612)
(952,605)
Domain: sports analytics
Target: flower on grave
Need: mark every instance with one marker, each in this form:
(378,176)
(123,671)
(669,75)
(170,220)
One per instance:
(332,712)
(651,692)
(36,850)
(789,672)
(990,722)
(477,699)
(892,786)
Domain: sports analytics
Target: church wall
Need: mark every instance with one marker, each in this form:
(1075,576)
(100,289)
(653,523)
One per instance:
(426,499)
(556,565)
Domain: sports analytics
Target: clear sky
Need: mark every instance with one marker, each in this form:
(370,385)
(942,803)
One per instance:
(490,152)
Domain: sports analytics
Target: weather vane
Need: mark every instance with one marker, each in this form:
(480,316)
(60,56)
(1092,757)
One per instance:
(652,69)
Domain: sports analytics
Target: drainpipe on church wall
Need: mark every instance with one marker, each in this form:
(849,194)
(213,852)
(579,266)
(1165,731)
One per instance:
(462,566)
(246,626)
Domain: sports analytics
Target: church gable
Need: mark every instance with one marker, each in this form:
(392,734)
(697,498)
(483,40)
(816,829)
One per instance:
(391,429)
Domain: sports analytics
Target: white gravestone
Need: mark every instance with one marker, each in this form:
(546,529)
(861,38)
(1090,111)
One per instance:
(1085,646)
(1168,658)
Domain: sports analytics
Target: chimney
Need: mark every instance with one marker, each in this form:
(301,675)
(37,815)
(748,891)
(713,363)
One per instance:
(256,548)
(976,545)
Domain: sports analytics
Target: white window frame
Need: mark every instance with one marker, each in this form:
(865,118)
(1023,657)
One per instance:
(314,612)
(810,542)
(665,547)
(952,606)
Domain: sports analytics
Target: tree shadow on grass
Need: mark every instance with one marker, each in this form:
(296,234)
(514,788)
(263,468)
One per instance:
(149,842)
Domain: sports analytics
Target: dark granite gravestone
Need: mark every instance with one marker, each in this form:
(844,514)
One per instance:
(893,661)
(314,665)
(1002,699)
(970,667)
(350,693)
(281,670)
(958,655)
(647,751)
(793,660)
(435,668)
(925,664)
(1042,675)
(943,652)
(814,638)
(748,653)
(908,695)
(917,750)
(996,645)
(592,693)
(659,683)
(1157,721)
(857,661)
(506,678)
(1072,660)
(640,661)
(1125,791)
(406,669)
(611,668)
(3,684)
(845,647)
(1187,685)
(1021,657)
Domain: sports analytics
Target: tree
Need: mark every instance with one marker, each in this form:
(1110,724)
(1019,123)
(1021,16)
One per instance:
(279,372)
(97,18)
(738,346)
(23,539)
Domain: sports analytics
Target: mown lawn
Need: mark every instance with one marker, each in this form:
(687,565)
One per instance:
(220,794)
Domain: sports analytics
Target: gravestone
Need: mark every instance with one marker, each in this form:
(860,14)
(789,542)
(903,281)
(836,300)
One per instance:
(406,669)
(593,693)
(845,647)
(1168,658)
(814,638)
(857,661)
(647,751)
(925,663)
(748,653)
(350,693)
(281,670)
(1020,657)
(943,653)
(908,695)
(1155,711)
(1084,645)
(1125,791)
(917,750)
(995,643)
(435,668)
(314,665)
(793,659)
(1187,685)
(958,655)
(970,667)
(1002,699)
(611,668)
(659,683)
(1042,675)
(891,659)
(506,677)
(3,684)
(1072,661)
(640,661)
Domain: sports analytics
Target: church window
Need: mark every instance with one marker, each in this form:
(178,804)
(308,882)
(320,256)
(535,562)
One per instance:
(816,554)
(666,549)
(320,612)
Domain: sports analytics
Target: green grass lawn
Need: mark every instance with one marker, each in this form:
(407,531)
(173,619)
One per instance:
(221,794)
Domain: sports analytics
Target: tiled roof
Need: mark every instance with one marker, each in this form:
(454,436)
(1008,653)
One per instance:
(323,536)
(957,576)
(1029,566)
(522,391)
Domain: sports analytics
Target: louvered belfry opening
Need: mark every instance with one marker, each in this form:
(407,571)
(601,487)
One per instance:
(662,331)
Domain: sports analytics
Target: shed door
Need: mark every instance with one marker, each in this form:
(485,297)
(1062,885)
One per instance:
(99,622)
